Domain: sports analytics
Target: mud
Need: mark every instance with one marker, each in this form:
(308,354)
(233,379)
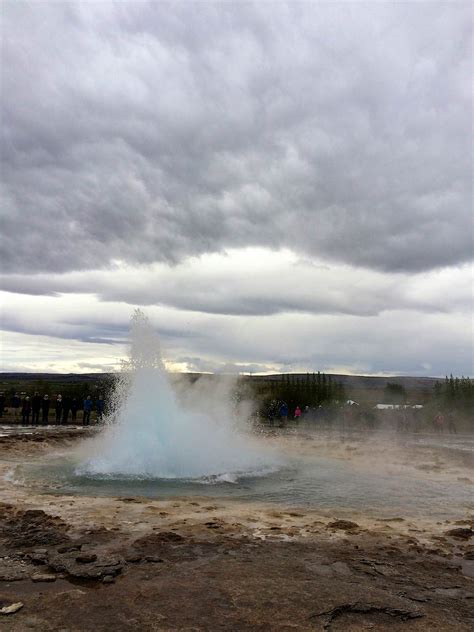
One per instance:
(87,563)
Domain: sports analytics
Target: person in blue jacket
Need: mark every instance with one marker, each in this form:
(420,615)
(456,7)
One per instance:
(283,414)
(86,419)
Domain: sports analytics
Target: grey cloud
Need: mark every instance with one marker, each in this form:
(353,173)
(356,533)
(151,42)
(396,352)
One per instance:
(142,132)
(202,365)
(400,342)
(236,286)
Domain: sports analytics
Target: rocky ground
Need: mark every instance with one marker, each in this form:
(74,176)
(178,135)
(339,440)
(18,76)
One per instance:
(72,563)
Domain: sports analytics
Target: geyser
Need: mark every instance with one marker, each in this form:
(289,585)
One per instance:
(150,435)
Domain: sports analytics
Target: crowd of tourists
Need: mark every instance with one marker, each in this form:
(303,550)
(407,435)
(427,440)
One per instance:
(42,410)
(350,415)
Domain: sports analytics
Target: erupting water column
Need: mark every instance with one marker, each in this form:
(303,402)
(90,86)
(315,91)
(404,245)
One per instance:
(150,435)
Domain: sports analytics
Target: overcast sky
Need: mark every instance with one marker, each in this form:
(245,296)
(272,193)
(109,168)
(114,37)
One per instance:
(282,187)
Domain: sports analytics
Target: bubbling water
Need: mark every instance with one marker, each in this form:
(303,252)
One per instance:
(150,435)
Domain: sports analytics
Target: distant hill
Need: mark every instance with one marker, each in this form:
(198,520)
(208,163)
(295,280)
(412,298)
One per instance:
(57,378)
(359,382)
(369,382)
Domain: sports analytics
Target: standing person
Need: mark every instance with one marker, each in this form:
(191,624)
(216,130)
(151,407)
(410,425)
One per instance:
(297,413)
(347,418)
(283,414)
(59,408)
(2,403)
(16,402)
(86,418)
(25,411)
(45,410)
(36,407)
(439,423)
(66,408)
(451,424)
(74,409)
(99,406)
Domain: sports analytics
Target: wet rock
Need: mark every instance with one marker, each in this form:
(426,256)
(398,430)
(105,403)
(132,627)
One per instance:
(12,575)
(152,542)
(420,596)
(170,536)
(97,569)
(154,559)
(133,559)
(32,528)
(454,593)
(43,577)
(38,558)
(342,525)
(69,548)
(366,608)
(463,533)
(86,558)
(13,568)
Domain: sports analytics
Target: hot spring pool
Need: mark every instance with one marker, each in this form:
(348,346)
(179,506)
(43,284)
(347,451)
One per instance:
(307,481)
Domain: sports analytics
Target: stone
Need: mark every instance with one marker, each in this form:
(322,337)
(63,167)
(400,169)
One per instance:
(92,569)
(342,525)
(69,549)
(38,558)
(133,559)
(12,608)
(43,577)
(154,558)
(463,533)
(108,579)
(86,558)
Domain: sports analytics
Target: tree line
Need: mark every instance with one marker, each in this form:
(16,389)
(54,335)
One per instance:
(456,393)
(312,389)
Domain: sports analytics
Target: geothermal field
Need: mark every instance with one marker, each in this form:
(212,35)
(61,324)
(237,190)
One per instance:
(170,518)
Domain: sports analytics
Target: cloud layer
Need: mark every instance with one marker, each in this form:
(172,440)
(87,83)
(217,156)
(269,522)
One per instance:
(284,186)
(257,282)
(140,133)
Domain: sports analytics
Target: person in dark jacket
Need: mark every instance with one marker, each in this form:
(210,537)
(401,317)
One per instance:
(86,419)
(35,408)
(45,410)
(16,403)
(66,409)
(99,406)
(26,411)
(74,409)
(59,408)
(2,403)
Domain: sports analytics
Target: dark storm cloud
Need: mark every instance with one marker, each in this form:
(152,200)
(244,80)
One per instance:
(148,132)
